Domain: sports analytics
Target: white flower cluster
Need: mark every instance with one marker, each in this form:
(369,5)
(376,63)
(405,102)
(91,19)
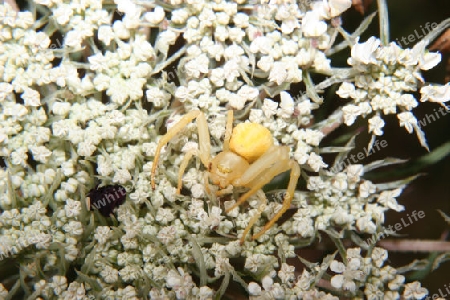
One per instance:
(82,117)
(32,231)
(35,227)
(123,73)
(342,200)
(122,70)
(227,48)
(378,281)
(25,60)
(387,77)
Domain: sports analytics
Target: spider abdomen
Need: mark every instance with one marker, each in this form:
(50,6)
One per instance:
(250,140)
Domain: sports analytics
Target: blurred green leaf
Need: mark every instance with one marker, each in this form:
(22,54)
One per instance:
(414,166)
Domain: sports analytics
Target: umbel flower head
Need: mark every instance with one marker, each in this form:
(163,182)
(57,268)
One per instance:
(385,82)
(89,89)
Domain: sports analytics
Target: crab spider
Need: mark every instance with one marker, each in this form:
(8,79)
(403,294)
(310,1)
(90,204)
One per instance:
(249,159)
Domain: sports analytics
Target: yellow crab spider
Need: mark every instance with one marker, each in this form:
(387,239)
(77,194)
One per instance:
(249,159)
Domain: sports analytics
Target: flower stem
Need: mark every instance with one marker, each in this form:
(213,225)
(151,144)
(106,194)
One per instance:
(384,22)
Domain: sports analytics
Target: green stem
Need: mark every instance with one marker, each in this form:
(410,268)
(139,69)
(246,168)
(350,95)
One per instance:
(311,89)
(432,35)
(384,22)
(13,290)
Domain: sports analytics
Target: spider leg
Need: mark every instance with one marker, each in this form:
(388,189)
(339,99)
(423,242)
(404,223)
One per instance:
(255,218)
(168,136)
(227,190)
(204,141)
(228,131)
(206,182)
(183,166)
(295,173)
(262,171)
(275,161)
(278,168)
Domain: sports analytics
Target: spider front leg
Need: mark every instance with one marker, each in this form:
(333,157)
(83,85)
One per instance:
(275,161)
(255,218)
(228,131)
(262,171)
(295,174)
(203,137)
(183,166)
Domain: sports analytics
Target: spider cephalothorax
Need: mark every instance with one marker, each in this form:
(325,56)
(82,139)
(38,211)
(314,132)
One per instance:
(249,159)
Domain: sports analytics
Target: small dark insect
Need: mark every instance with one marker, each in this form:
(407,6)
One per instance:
(106,198)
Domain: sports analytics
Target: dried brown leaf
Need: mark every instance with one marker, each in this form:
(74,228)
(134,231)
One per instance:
(447,71)
(361,6)
(13,4)
(442,43)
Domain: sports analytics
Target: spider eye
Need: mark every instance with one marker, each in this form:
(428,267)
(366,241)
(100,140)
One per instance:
(222,168)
